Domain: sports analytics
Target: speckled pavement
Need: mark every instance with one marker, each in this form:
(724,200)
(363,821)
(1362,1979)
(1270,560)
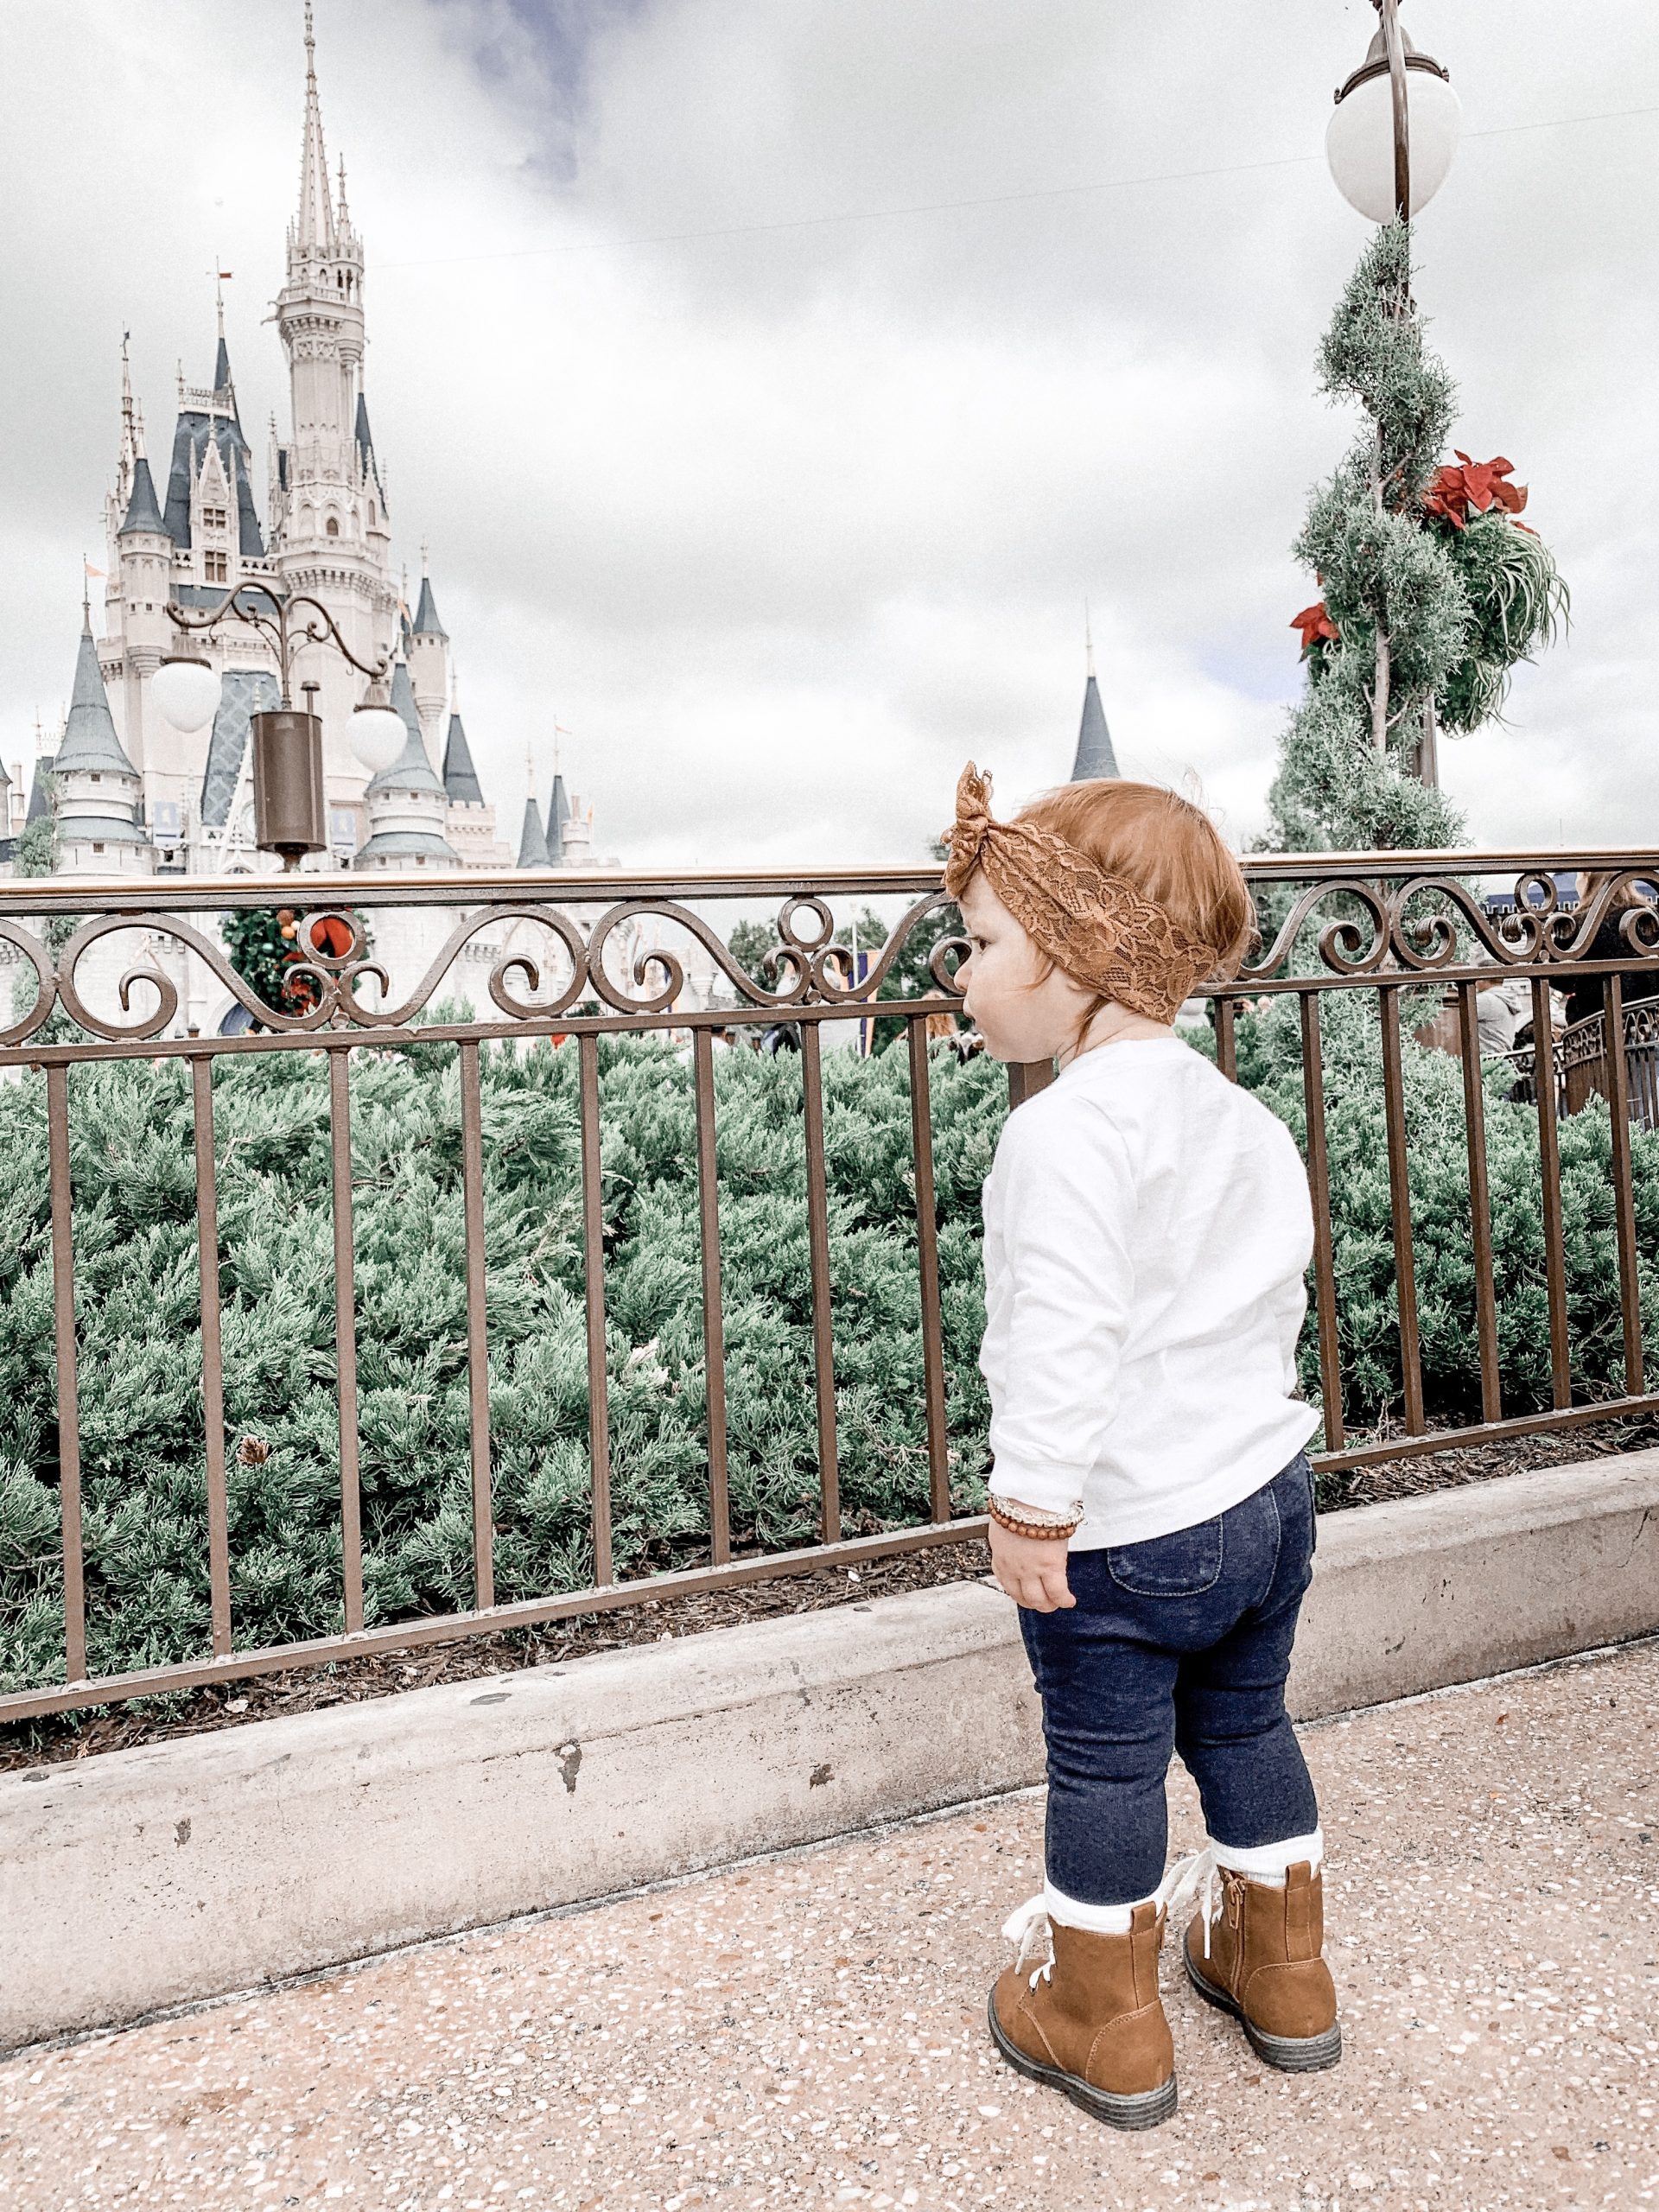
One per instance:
(810,2030)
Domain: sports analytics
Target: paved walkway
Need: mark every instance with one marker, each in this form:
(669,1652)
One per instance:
(810,2031)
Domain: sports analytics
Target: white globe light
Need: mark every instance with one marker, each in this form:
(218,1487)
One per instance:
(377,736)
(186,692)
(1359,141)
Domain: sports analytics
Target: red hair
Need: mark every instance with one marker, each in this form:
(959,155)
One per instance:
(1166,849)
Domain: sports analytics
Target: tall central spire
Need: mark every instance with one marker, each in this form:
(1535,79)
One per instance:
(315,231)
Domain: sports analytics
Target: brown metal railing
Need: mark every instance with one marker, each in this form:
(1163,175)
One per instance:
(1382,924)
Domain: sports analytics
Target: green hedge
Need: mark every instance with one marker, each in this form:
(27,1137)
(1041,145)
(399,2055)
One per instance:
(140,1342)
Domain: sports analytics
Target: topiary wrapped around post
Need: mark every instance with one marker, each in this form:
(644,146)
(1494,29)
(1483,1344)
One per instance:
(1433,588)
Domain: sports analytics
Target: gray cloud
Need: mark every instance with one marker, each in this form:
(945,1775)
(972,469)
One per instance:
(783,526)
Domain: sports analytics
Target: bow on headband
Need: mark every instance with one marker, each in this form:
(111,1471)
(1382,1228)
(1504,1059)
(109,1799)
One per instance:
(1097,927)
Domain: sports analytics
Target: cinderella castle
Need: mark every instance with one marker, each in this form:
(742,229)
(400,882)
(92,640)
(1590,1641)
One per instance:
(134,797)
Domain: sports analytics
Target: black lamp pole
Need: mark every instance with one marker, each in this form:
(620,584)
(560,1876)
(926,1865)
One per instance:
(289,813)
(1390,12)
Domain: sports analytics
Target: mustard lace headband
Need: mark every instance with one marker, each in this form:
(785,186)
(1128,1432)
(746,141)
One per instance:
(1097,927)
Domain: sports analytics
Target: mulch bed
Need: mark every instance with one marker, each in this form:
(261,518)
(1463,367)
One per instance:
(148,1720)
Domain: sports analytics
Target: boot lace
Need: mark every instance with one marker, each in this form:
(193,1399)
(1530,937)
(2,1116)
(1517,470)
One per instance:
(1192,1880)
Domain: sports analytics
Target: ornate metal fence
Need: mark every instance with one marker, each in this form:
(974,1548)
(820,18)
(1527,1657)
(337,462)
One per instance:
(580,959)
(1581,1068)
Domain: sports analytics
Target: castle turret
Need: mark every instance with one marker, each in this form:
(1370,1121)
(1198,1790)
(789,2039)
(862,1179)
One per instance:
(144,575)
(533,839)
(558,814)
(406,802)
(576,837)
(428,660)
(98,794)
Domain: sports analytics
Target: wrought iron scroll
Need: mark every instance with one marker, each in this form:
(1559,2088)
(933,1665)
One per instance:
(1386,937)
(1415,926)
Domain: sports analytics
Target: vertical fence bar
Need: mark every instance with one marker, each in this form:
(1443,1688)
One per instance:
(1027,1079)
(927,1254)
(1619,1104)
(1480,1202)
(817,1229)
(478,1344)
(213,1355)
(593,1238)
(1227,1038)
(63,1321)
(714,1326)
(1405,1265)
(350,1500)
(1549,1168)
(1318,1178)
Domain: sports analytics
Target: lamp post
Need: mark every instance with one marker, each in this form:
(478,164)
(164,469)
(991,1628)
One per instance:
(1391,139)
(287,796)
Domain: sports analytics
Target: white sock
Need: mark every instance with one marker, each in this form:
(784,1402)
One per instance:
(1269,1862)
(1097,1919)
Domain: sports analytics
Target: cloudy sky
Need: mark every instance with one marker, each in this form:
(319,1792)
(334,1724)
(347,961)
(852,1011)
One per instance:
(775,382)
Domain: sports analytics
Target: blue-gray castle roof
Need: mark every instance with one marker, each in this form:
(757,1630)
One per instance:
(427,624)
(460,777)
(1095,755)
(411,771)
(89,738)
(558,813)
(190,437)
(143,511)
(532,842)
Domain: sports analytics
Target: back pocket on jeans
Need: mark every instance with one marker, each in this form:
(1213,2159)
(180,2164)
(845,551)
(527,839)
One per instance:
(1184,1564)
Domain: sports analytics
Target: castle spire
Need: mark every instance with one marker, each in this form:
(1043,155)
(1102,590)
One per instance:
(129,443)
(314,234)
(222,380)
(1095,755)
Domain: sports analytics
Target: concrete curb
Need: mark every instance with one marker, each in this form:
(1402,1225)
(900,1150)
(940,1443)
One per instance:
(145,1878)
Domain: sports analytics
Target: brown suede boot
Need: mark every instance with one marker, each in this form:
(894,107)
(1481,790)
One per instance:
(1264,1967)
(1091,2021)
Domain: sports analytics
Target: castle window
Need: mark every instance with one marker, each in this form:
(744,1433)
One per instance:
(216,568)
(333,526)
(214,518)
(98,847)
(373,517)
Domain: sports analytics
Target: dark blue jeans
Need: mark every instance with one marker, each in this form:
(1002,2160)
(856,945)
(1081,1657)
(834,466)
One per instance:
(1181,1643)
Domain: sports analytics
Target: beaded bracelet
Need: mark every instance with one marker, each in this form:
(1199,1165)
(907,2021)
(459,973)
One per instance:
(1025,1523)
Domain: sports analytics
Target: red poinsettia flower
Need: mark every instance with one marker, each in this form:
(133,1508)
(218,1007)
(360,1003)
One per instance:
(1456,492)
(1315,626)
(1447,496)
(1485,485)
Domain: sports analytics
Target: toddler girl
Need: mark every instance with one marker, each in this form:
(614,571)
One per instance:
(1148,1228)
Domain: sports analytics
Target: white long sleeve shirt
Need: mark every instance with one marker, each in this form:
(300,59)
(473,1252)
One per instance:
(1148,1228)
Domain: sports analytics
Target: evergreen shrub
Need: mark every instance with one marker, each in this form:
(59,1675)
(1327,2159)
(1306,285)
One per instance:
(140,1340)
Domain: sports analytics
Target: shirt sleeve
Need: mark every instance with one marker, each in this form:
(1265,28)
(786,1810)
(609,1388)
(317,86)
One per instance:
(1068,1207)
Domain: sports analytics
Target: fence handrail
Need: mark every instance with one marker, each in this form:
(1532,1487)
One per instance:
(413,888)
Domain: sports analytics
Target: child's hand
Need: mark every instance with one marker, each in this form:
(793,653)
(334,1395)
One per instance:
(1032,1569)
